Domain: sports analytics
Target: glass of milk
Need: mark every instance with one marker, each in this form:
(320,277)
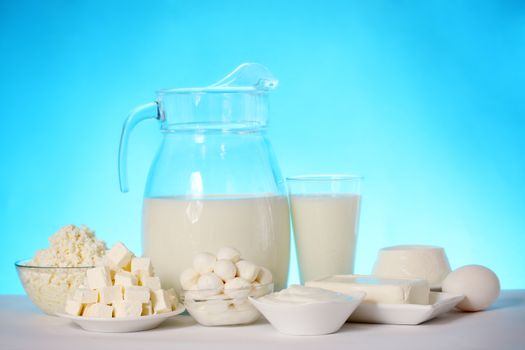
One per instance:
(325,217)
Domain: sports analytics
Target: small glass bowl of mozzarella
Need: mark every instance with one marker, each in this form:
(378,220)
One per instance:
(224,306)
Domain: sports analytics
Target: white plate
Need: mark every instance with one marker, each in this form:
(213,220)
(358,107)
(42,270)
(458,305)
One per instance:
(405,313)
(122,325)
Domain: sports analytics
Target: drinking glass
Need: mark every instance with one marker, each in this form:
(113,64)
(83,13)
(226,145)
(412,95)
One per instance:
(325,216)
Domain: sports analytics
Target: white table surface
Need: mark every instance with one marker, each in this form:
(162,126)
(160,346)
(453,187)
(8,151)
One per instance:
(23,326)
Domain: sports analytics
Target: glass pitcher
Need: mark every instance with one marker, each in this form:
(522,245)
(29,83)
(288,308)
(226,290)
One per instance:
(214,181)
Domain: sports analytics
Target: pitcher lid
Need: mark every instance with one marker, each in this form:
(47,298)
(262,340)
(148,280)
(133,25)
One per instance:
(248,77)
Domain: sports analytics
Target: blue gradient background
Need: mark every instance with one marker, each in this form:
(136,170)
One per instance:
(424,98)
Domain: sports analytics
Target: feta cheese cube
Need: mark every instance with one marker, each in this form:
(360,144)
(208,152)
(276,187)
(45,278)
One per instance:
(127,309)
(141,267)
(98,310)
(85,296)
(98,277)
(119,256)
(124,278)
(147,309)
(161,301)
(139,294)
(110,295)
(73,307)
(152,282)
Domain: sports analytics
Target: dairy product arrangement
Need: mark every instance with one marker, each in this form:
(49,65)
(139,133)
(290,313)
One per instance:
(216,226)
(123,286)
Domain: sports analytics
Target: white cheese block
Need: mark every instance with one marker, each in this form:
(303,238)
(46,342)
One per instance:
(161,301)
(73,307)
(152,282)
(118,256)
(413,261)
(127,309)
(124,278)
(110,295)
(141,267)
(85,296)
(147,309)
(139,294)
(378,290)
(98,310)
(98,277)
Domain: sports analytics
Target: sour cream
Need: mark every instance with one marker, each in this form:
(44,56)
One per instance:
(296,294)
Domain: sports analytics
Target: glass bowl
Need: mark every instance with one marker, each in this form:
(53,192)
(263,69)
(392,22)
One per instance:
(49,287)
(210,308)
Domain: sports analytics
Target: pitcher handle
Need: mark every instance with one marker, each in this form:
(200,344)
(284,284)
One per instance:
(139,114)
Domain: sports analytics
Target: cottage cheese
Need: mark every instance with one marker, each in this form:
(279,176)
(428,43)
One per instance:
(71,247)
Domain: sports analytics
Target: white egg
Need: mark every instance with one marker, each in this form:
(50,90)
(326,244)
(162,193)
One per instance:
(478,284)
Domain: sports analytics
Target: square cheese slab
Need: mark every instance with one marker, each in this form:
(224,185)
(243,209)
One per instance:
(119,256)
(98,277)
(124,278)
(137,293)
(127,309)
(85,296)
(141,267)
(378,290)
(152,282)
(98,310)
(110,295)
(73,307)
(161,301)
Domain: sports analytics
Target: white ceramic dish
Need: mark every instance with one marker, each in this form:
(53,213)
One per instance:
(409,314)
(122,325)
(314,318)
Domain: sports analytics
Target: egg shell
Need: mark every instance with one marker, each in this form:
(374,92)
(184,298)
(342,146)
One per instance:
(478,284)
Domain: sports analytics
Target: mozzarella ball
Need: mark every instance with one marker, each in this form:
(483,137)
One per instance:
(478,284)
(210,283)
(225,269)
(189,278)
(264,276)
(237,288)
(203,262)
(247,270)
(229,253)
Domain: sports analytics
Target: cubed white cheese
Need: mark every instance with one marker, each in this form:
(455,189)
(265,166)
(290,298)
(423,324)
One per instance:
(85,296)
(73,307)
(141,267)
(98,310)
(161,301)
(110,295)
(98,277)
(139,294)
(119,256)
(127,309)
(378,290)
(147,309)
(152,282)
(124,278)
